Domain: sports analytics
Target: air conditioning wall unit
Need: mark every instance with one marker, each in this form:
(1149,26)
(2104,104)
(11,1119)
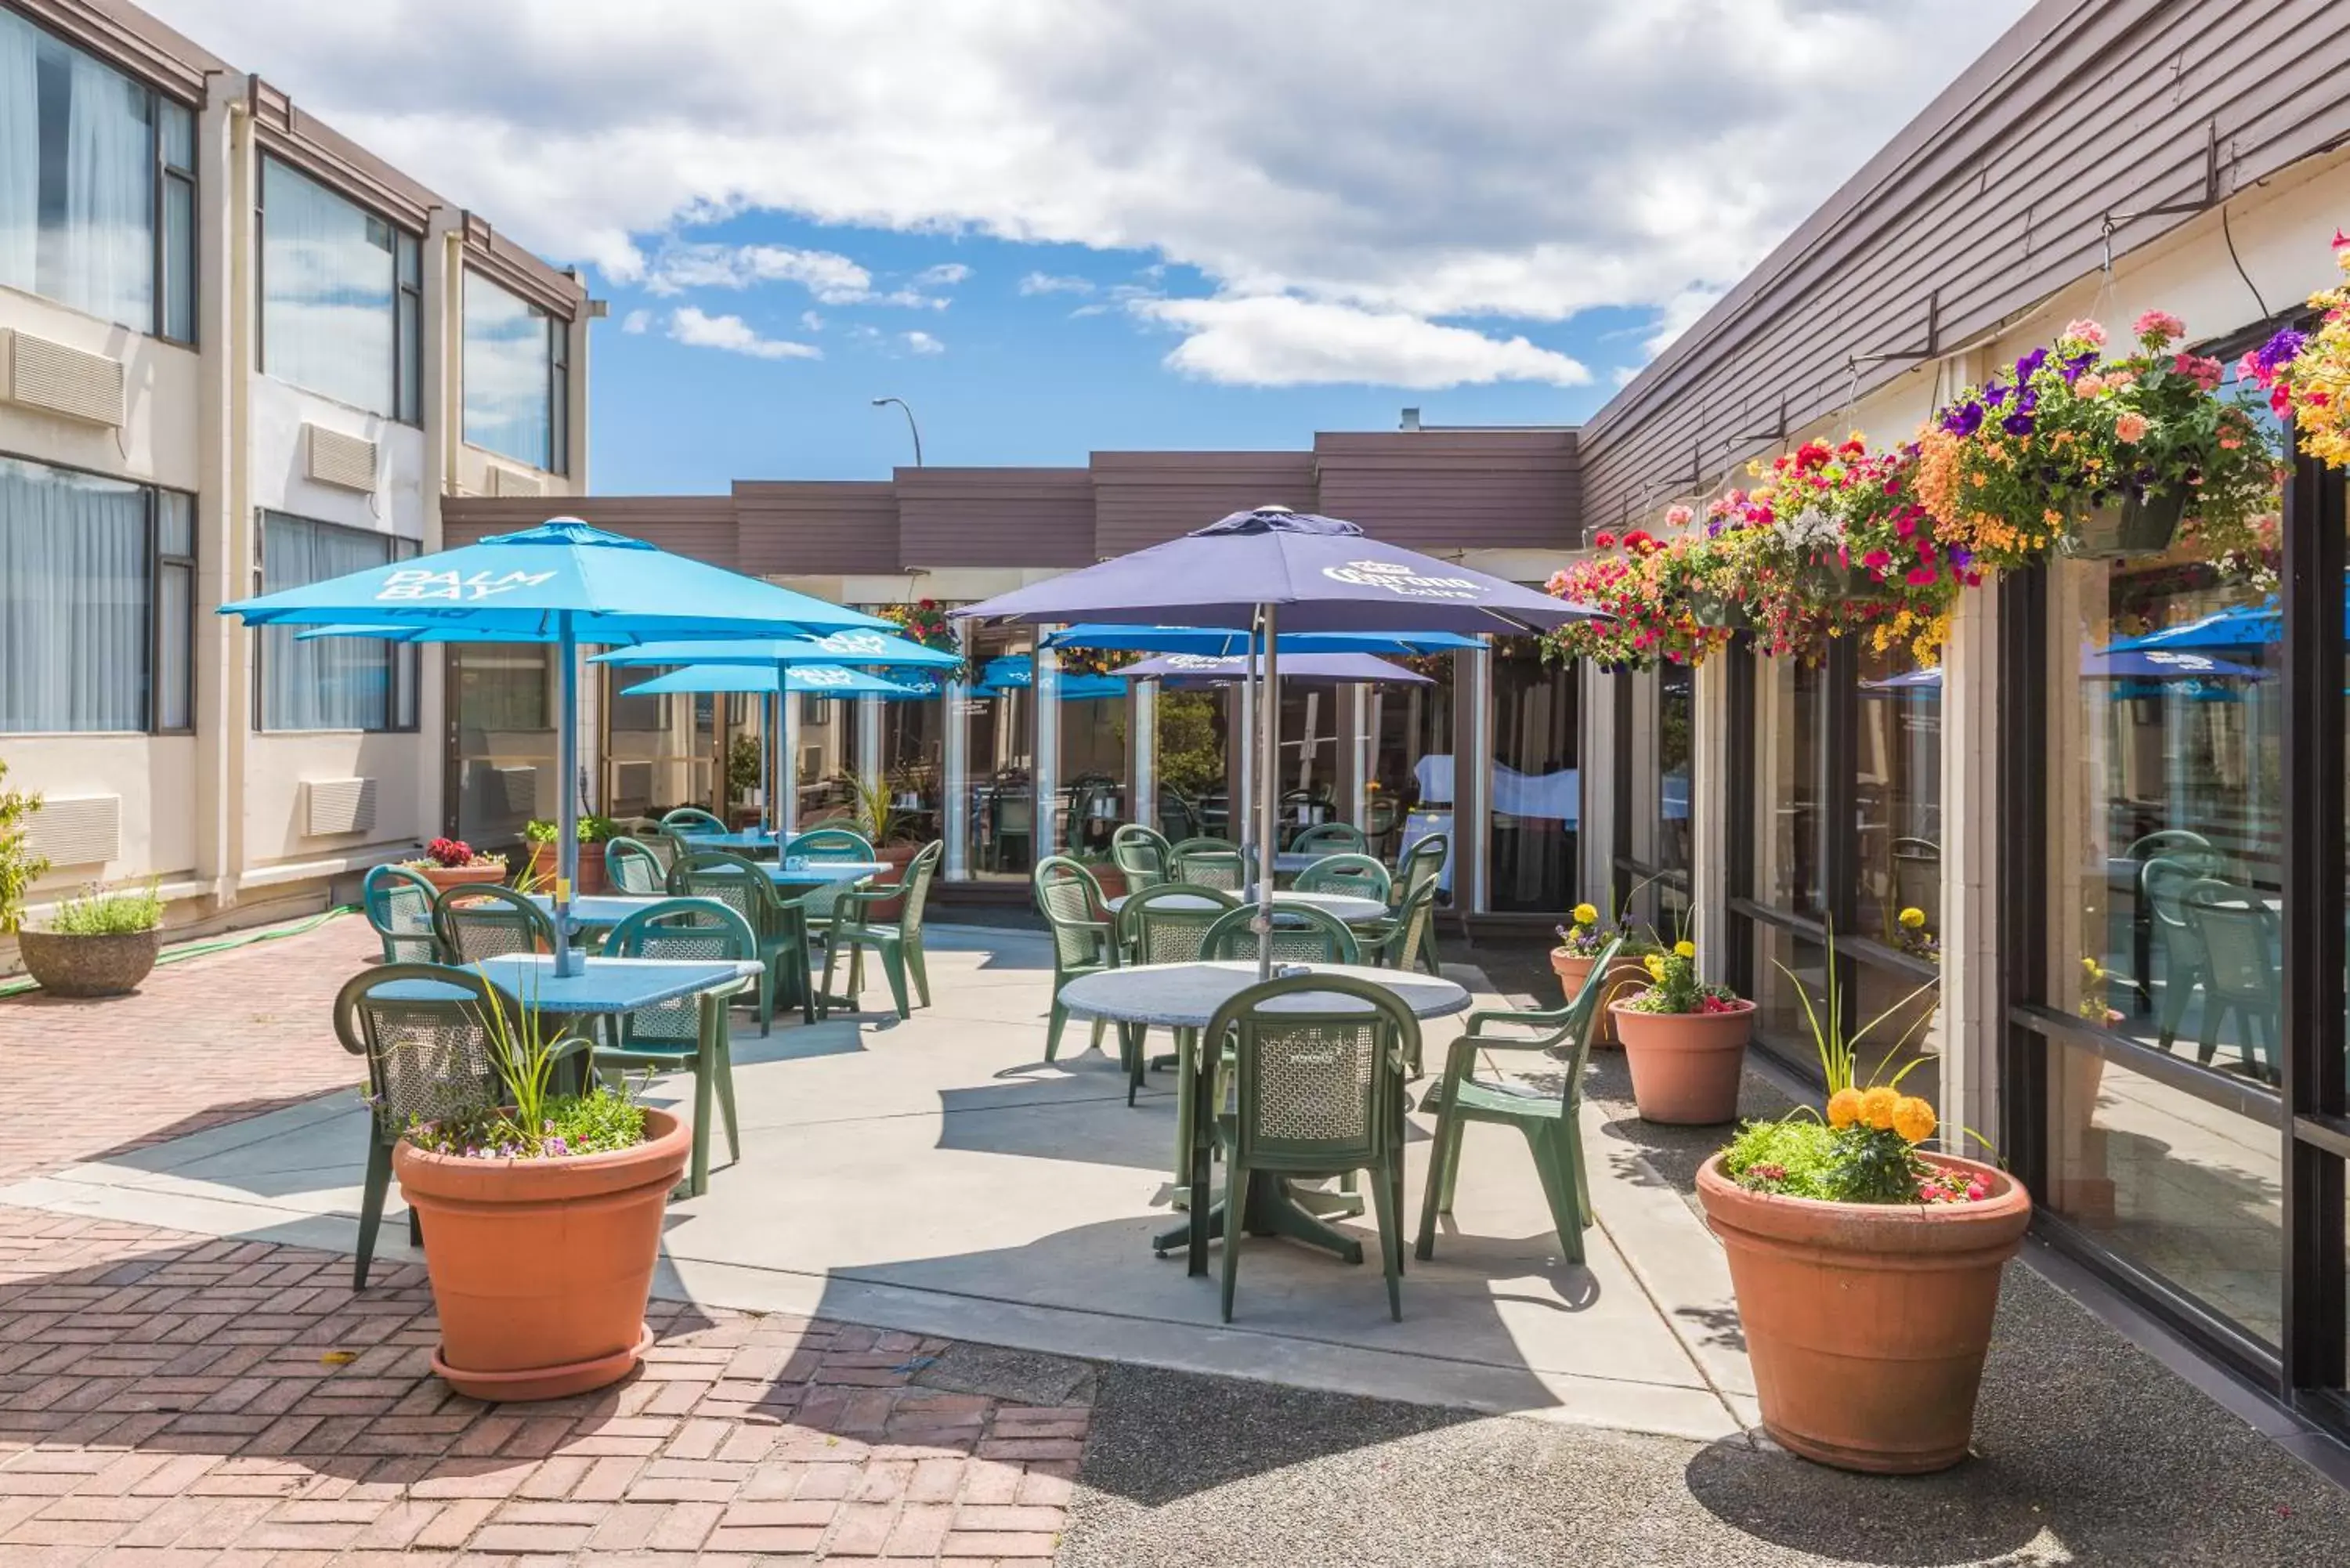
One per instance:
(79,830)
(71,382)
(332,807)
(347,462)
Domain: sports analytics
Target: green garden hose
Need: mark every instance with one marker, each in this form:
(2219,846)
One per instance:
(25,982)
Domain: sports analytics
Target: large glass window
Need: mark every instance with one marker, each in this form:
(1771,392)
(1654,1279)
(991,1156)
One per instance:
(506,745)
(517,356)
(1001,741)
(1537,798)
(1191,745)
(1897,798)
(335,285)
(97,602)
(329,682)
(1094,789)
(86,158)
(1655,719)
(1411,764)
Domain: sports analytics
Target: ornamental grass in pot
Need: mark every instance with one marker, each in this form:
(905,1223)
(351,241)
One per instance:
(594,831)
(1685,1041)
(1866,1265)
(1580,944)
(102,943)
(541,1222)
(453,863)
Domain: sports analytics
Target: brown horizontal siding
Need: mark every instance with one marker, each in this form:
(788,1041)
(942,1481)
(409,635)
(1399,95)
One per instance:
(1439,490)
(1992,200)
(702,527)
(1143,498)
(818,528)
(995,517)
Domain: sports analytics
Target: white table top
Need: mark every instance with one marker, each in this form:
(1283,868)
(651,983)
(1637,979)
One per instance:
(1341,905)
(602,985)
(815,871)
(1186,995)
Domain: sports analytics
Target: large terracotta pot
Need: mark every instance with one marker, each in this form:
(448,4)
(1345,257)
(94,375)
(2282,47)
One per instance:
(75,966)
(593,878)
(541,1267)
(1686,1066)
(1867,1324)
(444,877)
(1626,977)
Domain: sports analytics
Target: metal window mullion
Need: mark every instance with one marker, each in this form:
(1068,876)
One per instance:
(2023,805)
(1839,862)
(1738,805)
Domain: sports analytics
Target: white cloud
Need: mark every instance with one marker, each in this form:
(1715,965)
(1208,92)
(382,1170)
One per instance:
(811,321)
(1678,315)
(922,343)
(1047,283)
(946,274)
(1275,341)
(636,321)
(1514,161)
(732,333)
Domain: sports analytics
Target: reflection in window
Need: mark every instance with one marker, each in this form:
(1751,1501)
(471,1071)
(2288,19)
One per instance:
(1093,782)
(329,682)
(506,739)
(1536,783)
(1002,733)
(1897,799)
(1791,701)
(514,351)
(1411,764)
(332,275)
(1191,741)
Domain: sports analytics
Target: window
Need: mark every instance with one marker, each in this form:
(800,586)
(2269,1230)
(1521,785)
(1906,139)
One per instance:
(341,293)
(517,362)
(329,682)
(1537,801)
(86,158)
(1655,720)
(97,590)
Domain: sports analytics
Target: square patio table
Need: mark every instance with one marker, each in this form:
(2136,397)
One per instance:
(602,911)
(748,841)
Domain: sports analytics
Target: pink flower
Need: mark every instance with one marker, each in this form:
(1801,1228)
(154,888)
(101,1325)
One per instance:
(1977,1192)
(2130,428)
(2090,385)
(2118,379)
(1678,516)
(1877,558)
(2160,324)
(2085,330)
(1922,576)
(2204,373)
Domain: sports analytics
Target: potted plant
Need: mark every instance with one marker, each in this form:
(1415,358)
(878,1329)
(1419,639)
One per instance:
(19,867)
(99,944)
(593,832)
(1685,1041)
(1866,1266)
(2307,375)
(876,816)
(542,1221)
(743,772)
(1580,944)
(453,863)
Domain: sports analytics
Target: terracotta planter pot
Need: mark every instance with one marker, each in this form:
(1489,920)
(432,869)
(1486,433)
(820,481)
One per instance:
(897,856)
(447,876)
(592,875)
(1685,1065)
(1867,1324)
(541,1267)
(1627,977)
(110,965)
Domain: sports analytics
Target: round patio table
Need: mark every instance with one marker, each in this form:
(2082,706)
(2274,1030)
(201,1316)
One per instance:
(1184,997)
(1344,907)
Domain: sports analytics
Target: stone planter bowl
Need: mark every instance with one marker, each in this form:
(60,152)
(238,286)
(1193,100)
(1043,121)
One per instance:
(109,965)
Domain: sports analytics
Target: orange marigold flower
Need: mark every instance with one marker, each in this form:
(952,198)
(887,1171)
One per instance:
(1913,1118)
(1878,1106)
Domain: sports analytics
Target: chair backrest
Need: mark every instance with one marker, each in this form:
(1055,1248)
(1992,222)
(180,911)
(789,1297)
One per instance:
(1177,819)
(1359,875)
(2241,962)
(1331,838)
(1422,865)
(1014,814)
(1170,924)
(2162,883)
(734,881)
(697,930)
(1301,934)
(2174,841)
(918,874)
(1317,1071)
(634,868)
(834,845)
(1582,1020)
(1071,902)
(1140,853)
(1209,862)
(428,1057)
(399,905)
(483,920)
(1411,927)
(691,819)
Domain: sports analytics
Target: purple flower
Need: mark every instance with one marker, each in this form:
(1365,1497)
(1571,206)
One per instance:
(2026,401)
(2029,363)
(2017,424)
(555,1144)
(1960,555)
(1994,393)
(1964,420)
(2077,364)
(2278,351)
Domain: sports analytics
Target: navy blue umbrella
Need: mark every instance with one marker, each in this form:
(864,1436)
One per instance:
(1212,669)
(1219,641)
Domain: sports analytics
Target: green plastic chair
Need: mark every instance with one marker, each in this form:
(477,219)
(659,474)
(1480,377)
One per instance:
(1166,924)
(1310,1094)
(485,920)
(898,946)
(1331,838)
(1140,853)
(689,820)
(1422,870)
(833,844)
(743,887)
(1301,934)
(671,1037)
(2243,972)
(1084,942)
(1216,863)
(634,867)
(1547,1117)
(427,1059)
(399,905)
(1357,875)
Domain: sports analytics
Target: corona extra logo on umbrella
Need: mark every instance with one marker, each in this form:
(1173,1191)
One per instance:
(1397,579)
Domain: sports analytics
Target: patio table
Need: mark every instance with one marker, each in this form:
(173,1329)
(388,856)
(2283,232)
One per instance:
(816,873)
(1344,907)
(607,988)
(1184,997)
(602,911)
(749,841)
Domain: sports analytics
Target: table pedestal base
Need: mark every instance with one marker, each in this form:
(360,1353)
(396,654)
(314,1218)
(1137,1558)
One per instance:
(1275,1209)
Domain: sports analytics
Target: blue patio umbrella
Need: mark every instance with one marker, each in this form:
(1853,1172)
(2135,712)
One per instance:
(562,582)
(1273,571)
(2119,662)
(1017,672)
(797,680)
(1219,641)
(1212,670)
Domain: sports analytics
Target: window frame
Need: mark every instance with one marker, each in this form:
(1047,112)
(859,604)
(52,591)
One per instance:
(555,459)
(400,408)
(404,677)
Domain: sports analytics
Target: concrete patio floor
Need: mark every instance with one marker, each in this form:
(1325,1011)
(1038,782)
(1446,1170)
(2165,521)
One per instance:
(934,1175)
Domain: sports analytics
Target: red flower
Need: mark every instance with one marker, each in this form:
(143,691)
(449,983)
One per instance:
(1604,539)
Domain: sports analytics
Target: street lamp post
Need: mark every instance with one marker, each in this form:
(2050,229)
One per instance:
(910,425)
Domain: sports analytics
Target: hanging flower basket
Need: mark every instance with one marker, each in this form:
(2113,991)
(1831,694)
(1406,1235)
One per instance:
(1831,581)
(1718,610)
(2134,527)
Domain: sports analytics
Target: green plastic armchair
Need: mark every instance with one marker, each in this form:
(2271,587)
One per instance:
(898,946)
(1209,863)
(678,1037)
(1357,875)
(747,888)
(399,905)
(1330,838)
(691,820)
(634,867)
(1084,941)
(1301,934)
(1140,854)
(1166,924)
(485,920)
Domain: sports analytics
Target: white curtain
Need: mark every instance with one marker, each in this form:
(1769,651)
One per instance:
(73,602)
(107,251)
(332,682)
(20,152)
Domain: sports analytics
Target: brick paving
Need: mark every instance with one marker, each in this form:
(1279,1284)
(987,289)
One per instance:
(173,1399)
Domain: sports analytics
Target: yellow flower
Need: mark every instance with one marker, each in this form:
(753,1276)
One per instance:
(1878,1106)
(1685,949)
(1913,1118)
(1914,918)
(1844,1108)
(1585,915)
(1655,964)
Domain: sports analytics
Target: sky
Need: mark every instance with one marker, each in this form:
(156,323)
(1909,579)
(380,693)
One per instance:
(1058,226)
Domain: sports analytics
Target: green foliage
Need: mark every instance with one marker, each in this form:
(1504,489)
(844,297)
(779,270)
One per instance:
(1801,1157)
(1191,759)
(534,1122)
(101,913)
(593,829)
(1674,987)
(1837,1047)
(741,767)
(19,867)
(875,803)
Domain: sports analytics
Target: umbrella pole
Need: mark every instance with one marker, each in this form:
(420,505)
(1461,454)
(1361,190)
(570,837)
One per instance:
(787,794)
(1240,803)
(567,814)
(1268,803)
